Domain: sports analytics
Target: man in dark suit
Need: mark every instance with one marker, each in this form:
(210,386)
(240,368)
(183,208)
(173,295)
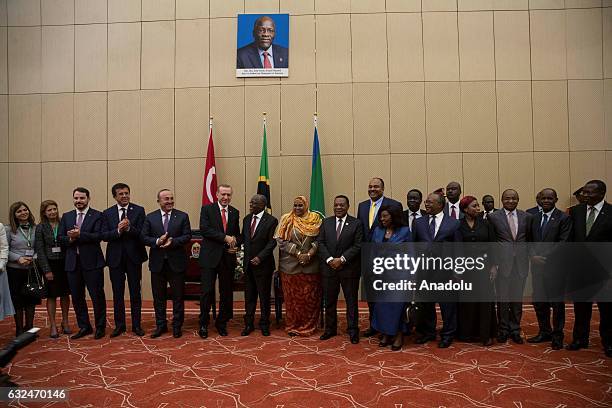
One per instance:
(80,232)
(258,239)
(125,253)
(339,240)
(436,227)
(549,225)
(488,205)
(592,223)
(367,213)
(166,231)
(538,208)
(511,226)
(262,53)
(453,194)
(220,228)
(414,198)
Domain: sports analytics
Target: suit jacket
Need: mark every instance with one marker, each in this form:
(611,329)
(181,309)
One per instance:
(406,214)
(557,229)
(88,243)
(129,241)
(261,245)
(401,235)
(363,213)
(248,57)
(533,210)
(601,231)
(179,229)
(447,210)
(508,254)
(211,228)
(348,245)
(448,231)
(482,214)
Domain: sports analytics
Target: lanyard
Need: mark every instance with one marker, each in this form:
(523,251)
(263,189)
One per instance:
(54,229)
(28,237)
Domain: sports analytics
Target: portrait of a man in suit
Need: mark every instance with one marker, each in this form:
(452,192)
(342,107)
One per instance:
(262,45)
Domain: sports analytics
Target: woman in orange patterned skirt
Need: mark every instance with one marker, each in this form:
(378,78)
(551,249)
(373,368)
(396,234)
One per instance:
(299,268)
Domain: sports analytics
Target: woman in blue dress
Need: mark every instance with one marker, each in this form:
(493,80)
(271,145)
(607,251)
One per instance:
(389,318)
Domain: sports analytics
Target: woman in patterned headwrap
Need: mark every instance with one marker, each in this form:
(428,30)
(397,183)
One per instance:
(299,268)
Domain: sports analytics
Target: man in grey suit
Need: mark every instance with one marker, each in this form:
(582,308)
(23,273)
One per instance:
(511,226)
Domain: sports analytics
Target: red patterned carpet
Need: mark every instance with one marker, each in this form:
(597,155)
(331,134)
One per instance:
(279,371)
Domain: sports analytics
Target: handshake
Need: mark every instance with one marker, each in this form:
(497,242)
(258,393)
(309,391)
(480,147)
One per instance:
(231,243)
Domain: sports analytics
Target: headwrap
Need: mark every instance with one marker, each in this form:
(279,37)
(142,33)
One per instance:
(308,224)
(465,202)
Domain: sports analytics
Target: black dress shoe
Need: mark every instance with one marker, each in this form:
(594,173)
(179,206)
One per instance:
(370,332)
(608,351)
(117,332)
(159,331)
(247,330)
(487,343)
(354,338)
(424,339)
(327,335)
(515,337)
(557,344)
(576,345)
(221,330)
(138,331)
(502,338)
(292,334)
(177,332)
(100,332)
(265,331)
(444,343)
(203,332)
(540,338)
(82,333)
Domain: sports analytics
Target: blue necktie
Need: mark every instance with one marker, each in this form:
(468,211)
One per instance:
(543,225)
(432,227)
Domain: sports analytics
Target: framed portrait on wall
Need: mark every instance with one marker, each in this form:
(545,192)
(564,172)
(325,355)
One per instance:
(262,46)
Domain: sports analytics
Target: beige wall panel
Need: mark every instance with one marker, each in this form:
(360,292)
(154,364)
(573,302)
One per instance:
(546,4)
(607,42)
(474,5)
(510,4)
(294,7)
(24,59)
(191,122)
(407,117)
(371,123)
(480,174)
(548,44)
(60,178)
(408,171)
(252,174)
(302,50)
(90,120)
(259,99)
(369,59)
(226,8)
(91,57)
(340,180)
(440,44)
(608,167)
(158,49)
(582,3)
(332,6)
(584,44)
(550,129)
(124,10)
(90,11)
(442,169)
(405,47)
(585,166)
(191,53)
(512,49)
(158,10)
(24,184)
(157,124)
(58,59)
(478,117)
(514,130)
(368,166)
(57,127)
(232,171)
(335,108)
(124,41)
(298,103)
(227,109)
(586,115)
(295,180)
(333,48)
(23,12)
(552,170)
(3,61)
(188,188)
(261,6)
(25,128)
(516,170)
(4,193)
(156,174)
(476,46)
(608,113)
(57,12)
(440,5)
(129,172)
(367,6)
(188,9)
(443,116)
(124,125)
(403,6)
(3,13)
(4,133)
(223,47)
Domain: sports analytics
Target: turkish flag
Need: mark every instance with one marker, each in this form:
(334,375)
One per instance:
(209,186)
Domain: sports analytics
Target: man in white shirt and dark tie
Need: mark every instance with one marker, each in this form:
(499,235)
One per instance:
(414,198)
(453,194)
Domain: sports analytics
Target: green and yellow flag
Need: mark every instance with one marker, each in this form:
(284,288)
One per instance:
(263,183)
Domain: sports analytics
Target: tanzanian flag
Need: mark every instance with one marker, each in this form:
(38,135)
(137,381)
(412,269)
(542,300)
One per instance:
(263,183)
(317,200)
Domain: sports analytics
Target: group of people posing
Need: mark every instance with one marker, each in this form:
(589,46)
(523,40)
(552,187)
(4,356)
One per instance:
(317,258)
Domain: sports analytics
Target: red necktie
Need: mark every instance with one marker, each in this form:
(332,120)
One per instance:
(224,219)
(266,56)
(253,224)
(453,213)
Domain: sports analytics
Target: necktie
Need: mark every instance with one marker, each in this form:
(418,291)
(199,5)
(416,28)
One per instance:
(543,225)
(453,212)
(432,227)
(411,220)
(371,215)
(484,217)
(80,219)
(590,219)
(339,228)
(266,56)
(224,219)
(512,224)
(165,222)
(253,225)
(122,213)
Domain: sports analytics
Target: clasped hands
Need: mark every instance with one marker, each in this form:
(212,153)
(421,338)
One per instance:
(335,263)
(74,233)
(123,225)
(164,241)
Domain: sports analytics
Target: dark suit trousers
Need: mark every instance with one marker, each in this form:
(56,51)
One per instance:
(133,272)
(159,284)
(543,305)
(258,285)
(331,290)
(226,293)
(94,281)
(427,319)
(509,314)
(582,323)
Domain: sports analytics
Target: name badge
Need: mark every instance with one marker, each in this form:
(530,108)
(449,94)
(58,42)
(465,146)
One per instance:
(56,250)
(29,252)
